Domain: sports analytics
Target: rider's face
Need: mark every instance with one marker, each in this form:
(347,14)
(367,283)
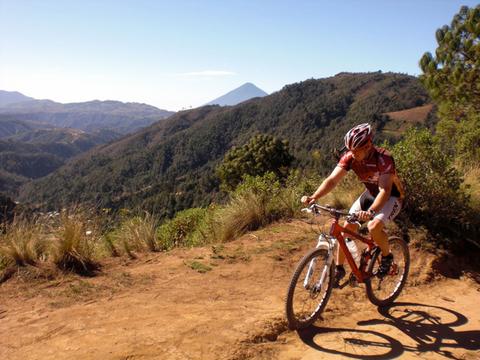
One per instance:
(362,152)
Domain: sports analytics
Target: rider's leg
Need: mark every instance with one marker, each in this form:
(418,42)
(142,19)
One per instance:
(356,206)
(376,229)
(339,269)
(340,254)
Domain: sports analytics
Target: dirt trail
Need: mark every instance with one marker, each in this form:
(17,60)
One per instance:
(162,307)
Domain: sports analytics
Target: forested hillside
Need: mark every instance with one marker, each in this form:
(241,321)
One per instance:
(29,151)
(38,136)
(9,126)
(170,165)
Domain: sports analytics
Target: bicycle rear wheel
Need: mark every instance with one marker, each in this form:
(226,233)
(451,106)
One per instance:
(310,288)
(383,291)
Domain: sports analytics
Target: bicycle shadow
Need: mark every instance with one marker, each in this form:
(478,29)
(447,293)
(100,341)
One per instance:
(430,327)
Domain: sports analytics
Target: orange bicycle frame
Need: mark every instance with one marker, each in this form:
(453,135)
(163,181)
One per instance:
(336,231)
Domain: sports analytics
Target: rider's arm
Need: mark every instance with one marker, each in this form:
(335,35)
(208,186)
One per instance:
(329,183)
(385,188)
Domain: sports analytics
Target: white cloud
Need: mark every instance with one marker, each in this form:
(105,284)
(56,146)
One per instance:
(208,73)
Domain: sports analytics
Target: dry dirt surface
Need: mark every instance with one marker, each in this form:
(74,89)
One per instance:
(227,302)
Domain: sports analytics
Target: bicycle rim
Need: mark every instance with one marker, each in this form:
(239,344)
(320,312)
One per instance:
(383,291)
(309,289)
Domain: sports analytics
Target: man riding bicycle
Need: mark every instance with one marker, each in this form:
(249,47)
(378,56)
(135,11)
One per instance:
(379,203)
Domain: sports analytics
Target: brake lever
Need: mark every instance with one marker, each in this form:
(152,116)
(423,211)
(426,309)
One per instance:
(353,219)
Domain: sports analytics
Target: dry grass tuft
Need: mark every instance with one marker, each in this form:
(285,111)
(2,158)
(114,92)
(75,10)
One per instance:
(75,245)
(244,212)
(138,234)
(22,243)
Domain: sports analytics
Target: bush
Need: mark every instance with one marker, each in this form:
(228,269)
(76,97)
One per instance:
(187,228)
(434,187)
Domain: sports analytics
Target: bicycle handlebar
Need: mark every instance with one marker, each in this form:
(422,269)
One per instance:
(315,209)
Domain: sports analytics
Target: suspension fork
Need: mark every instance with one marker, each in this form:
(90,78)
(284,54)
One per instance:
(331,243)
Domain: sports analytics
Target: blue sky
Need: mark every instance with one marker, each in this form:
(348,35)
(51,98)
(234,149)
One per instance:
(177,54)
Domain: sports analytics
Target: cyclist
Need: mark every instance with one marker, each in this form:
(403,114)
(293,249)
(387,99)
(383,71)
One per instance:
(379,203)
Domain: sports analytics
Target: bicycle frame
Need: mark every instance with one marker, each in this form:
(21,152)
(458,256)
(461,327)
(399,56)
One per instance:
(336,231)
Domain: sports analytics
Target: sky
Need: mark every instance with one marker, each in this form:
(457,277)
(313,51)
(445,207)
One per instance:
(183,53)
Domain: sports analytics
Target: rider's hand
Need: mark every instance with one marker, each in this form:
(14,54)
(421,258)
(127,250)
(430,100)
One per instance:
(307,200)
(364,215)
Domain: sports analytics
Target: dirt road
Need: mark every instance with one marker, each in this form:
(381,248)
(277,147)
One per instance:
(227,302)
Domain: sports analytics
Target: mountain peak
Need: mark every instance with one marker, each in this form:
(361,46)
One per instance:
(243,93)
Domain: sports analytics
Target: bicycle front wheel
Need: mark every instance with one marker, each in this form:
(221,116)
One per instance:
(309,289)
(382,291)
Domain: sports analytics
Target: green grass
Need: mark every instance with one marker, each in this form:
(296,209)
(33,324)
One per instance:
(198,266)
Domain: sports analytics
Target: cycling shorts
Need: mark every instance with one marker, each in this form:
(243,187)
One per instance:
(386,214)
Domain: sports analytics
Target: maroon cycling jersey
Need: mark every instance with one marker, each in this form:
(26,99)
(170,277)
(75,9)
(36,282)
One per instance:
(369,170)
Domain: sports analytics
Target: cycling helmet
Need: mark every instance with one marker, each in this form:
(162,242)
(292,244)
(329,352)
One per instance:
(358,136)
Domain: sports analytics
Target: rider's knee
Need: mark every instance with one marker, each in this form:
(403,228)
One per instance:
(375,225)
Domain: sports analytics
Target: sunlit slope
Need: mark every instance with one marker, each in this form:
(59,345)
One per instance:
(170,165)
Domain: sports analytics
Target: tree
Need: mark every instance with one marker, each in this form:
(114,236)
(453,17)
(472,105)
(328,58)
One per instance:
(452,77)
(264,153)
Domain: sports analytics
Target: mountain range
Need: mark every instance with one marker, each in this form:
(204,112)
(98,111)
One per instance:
(89,116)
(170,165)
(38,136)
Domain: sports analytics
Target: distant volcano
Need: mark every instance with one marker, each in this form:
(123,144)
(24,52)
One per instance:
(245,92)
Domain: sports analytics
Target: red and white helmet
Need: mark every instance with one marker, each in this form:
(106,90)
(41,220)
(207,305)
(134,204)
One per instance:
(358,136)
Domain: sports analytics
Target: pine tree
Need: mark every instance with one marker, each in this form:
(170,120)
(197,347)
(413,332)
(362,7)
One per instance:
(452,77)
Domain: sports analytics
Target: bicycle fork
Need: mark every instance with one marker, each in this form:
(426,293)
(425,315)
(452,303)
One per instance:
(331,244)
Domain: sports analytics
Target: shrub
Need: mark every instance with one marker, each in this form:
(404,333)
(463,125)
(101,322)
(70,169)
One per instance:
(187,228)
(434,194)
(472,186)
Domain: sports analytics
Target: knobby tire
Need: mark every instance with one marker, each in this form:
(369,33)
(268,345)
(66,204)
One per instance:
(295,318)
(401,258)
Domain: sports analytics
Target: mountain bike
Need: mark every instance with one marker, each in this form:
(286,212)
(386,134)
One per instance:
(312,281)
